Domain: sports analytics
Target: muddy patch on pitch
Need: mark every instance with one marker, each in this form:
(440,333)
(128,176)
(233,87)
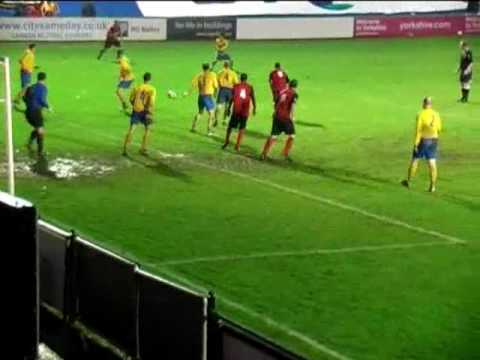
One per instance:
(60,168)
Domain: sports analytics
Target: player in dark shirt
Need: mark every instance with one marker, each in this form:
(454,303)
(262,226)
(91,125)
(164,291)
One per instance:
(36,99)
(466,71)
(113,35)
(278,80)
(243,95)
(283,119)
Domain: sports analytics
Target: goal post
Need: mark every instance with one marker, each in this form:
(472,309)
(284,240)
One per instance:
(7,102)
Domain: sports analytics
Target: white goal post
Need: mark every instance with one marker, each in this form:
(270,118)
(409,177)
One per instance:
(7,100)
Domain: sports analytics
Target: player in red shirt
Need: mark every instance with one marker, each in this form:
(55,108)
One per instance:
(278,80)
(113,35)
(243,95)
(283,120)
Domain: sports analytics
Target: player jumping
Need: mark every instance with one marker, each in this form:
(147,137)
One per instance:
(27,65)
(36,99)
(113,38)
(428,128)
(243,95)
(142,99)
(278,80)
(206,83)
(283,120)
(221,46)
(227,78)
(466,71)
(126,77)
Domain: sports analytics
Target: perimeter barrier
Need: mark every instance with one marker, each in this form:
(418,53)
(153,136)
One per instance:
(96,304)
(18,220)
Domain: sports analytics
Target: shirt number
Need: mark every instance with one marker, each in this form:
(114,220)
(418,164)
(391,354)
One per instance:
(243,94)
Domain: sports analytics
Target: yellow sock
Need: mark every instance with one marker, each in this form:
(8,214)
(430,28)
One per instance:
(433,175)
(412,170)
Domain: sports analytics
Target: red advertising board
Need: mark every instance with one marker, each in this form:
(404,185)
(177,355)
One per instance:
(378,26)
(472,24)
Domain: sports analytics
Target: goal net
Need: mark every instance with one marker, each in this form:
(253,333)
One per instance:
(7,161)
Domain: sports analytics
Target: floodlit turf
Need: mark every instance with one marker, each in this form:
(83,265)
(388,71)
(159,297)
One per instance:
(381,296)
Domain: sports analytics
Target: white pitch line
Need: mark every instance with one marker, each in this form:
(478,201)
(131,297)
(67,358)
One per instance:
(320,199)
(278,254)
(263,318)
(337,204)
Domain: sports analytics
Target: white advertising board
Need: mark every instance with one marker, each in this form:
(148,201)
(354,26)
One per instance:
(295,28)
(79,29)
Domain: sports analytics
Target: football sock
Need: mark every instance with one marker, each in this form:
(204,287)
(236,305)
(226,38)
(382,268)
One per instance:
(268,145)
(33,136)
(412,170)
(194,124)
(433,176)
(227,137)
(239,139)
(143,147)
(40,143)
(101,54)
(467,92)
(288,146)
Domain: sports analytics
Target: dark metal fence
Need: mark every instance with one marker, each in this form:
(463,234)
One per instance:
(18,228)
(96,304)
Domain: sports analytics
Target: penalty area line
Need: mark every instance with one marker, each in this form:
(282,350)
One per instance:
(317,198)
(305,253)
(336,204)
(294,334)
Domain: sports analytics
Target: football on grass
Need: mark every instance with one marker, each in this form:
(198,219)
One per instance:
(171,94)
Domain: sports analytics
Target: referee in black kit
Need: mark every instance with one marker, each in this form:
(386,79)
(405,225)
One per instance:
(466,70)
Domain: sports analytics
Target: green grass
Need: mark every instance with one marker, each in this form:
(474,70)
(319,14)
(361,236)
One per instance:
(356,111)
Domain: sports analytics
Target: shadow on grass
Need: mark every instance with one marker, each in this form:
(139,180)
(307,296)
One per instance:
(308,124)
(345,176)
(159,167)
(456,200)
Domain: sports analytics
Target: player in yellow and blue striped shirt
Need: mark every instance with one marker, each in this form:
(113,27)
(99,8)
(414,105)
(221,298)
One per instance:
(428,128)
(142,99)
(126,77)
(207,84)
(227,79)
(27,65)
(221,46)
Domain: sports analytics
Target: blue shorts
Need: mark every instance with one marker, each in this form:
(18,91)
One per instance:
(205,102)
(124,84)
(139,118)
(25,78)
(224,95)
(427,149)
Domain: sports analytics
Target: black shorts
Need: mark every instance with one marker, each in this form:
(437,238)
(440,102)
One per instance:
(465,78)
(237,121)
(112,42)
(34,118)
(282,126)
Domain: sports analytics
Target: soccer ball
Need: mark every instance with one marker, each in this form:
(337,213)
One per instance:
(459,32)
(171,94)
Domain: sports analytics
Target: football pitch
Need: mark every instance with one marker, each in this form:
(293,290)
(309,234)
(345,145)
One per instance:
(327,255)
